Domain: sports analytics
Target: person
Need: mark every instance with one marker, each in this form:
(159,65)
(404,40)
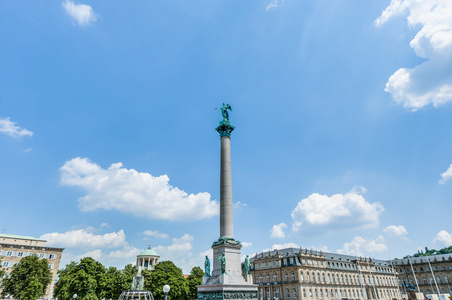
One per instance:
(207,266)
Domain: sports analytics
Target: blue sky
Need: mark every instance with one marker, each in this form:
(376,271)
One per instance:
(342,113)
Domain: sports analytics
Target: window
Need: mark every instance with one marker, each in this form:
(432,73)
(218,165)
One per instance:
(318,277)
(267,278)
(307,277)
(287,293)
(421,269)
(285,277)
(51,256)
(292,276)
(274,263)
(275,278)
(9,253)
(443,268)
(294,293)
(329,278)
(304,293)
(20,254)
(301,277)
(260,278)
(291,260)
(446,279)
(266,264)
(41,255)
(268,294)
(316,294)
(438,279)
(323,277)
(51,266)
(321,293)
(310,293)
(276,293)
(313,277)
(5,264)
(435,268)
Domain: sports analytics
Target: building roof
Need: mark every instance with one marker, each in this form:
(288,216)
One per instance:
(294,252)
(20,237)
(148,252)
(423,259)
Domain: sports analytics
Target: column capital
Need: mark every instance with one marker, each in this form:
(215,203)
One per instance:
(225,128)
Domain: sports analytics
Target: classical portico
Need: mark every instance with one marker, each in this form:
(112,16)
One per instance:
(147,259)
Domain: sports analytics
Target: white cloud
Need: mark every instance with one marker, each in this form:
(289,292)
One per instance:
(9,127)
(338,212)
(82,13)
(129,191)
(82,238)
(125,252)
(274,4)
(245,244)
(395,231)
(446,175)
(277,231)
(179,252)
(444,238)
(156,234)
(431,81)
(96,254)
(362,247)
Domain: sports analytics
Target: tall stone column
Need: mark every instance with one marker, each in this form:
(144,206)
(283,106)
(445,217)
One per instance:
(226,219)
(226,280)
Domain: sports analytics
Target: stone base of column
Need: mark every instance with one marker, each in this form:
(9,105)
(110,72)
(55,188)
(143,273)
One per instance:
(229,285)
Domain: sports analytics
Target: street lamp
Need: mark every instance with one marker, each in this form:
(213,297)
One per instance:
(166,289)
(74,296)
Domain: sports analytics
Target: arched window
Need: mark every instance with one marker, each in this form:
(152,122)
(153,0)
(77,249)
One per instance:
(267,278)
(307,277)
(313,277)
(275,278)
(338,281)
(294,293)
(304,293)
(287,293)
(285,277)
(292,277)
(329,278)
(276,293)
(301,276)
(260,278)
(318,277)
(323,277)
(446,279)
(268,294)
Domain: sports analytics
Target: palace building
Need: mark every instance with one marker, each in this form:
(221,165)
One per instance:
(14,247)
(292,274)
(426,274)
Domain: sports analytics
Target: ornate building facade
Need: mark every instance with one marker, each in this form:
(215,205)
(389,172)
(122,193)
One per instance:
(292,274)
(14,247)
(427,274)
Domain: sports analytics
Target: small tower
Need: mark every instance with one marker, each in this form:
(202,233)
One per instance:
(147,259)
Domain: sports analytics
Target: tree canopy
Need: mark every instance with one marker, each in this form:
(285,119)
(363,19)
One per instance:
(194,279)
(166,272)
(429,252)
(29,279)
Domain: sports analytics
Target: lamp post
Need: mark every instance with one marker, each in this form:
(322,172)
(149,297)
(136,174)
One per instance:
(166,289)
(74,296)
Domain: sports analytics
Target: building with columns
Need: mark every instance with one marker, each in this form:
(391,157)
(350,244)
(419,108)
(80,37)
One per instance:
(292,274)
(428,274)
(147,259)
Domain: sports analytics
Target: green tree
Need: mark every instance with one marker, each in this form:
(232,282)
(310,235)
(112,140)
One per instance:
(166,272)
(29,279)
(194,279)
(2,272)
(87,279)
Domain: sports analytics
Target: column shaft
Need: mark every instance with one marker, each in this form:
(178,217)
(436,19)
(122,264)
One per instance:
(226,222)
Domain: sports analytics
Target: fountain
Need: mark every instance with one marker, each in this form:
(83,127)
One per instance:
(137,292)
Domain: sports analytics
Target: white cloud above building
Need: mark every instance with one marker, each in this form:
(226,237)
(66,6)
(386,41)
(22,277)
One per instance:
(393,231)
(130,191)
(363,247)
(336,213)
(443,238)
(10,128)
(277,231)
(156,234)
(84,238)
(83,14)
(431,81)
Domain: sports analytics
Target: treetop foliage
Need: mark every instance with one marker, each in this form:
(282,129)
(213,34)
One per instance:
(28,280)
